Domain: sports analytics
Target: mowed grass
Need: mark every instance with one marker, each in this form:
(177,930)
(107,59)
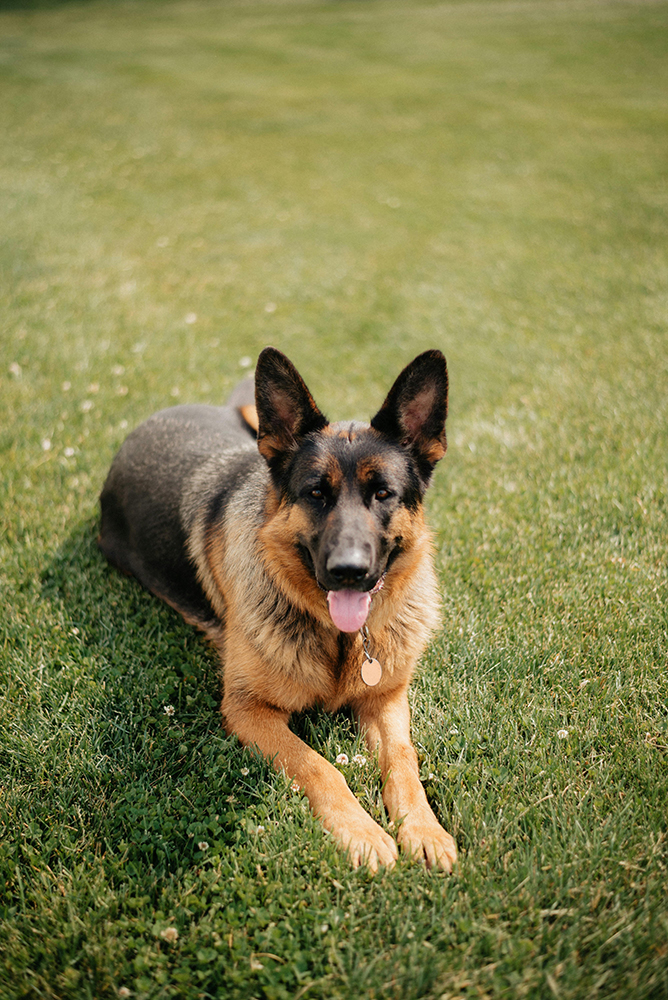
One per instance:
(183,183)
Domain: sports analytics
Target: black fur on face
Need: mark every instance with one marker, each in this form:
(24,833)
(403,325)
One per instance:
(351,480)
(350,485)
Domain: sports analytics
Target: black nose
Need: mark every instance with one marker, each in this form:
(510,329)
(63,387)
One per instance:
(347,574)
(348,568)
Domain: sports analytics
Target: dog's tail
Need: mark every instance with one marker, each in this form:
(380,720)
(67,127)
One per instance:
(242,399)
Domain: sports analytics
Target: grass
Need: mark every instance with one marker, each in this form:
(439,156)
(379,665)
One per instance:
(182,183)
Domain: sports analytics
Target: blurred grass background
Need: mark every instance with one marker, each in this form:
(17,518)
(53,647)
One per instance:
(183,183)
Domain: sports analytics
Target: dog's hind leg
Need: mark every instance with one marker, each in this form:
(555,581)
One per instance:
(242,398)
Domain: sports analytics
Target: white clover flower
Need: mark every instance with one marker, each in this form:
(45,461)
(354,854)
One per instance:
(342,758)
(245,772)
(169,710)
(562,734)
(169,934)
(270,307)
(244,362)
(295,787)
(68,453)
(46,444)
(191,318)
(359,759)
(203,845)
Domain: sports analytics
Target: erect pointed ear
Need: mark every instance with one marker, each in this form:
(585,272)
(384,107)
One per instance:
(285,407)
(415,410)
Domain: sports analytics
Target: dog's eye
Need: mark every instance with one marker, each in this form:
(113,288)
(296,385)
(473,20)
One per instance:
(382,494)
(318,494)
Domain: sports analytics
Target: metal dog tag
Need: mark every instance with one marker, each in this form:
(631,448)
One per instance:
(371,672)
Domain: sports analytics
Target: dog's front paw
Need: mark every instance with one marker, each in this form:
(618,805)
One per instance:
(366,843)
(424,839)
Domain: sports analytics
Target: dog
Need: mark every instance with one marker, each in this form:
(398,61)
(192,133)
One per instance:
(300,548)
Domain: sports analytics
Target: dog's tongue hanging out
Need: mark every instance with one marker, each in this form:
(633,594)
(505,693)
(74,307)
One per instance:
(348,609)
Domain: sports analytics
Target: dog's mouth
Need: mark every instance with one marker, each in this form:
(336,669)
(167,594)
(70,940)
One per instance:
(349,609)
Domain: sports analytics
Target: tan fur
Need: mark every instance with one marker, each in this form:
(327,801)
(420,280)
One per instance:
(254,551)
(266,679)
(249,414)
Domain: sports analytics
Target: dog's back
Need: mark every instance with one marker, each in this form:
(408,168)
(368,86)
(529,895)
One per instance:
(142,529)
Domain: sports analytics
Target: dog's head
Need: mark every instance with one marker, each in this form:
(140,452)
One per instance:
(355,489)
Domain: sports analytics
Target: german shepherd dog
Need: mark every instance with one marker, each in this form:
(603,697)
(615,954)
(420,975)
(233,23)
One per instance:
(304,557)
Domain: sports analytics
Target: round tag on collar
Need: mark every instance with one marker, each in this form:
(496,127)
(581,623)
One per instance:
(371,672)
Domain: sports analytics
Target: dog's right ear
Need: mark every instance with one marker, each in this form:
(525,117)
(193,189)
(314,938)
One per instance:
(285,407)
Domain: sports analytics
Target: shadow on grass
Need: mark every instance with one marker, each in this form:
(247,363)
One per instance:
(160,773)
(154,765)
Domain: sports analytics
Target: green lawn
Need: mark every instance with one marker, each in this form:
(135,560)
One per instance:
(354,182)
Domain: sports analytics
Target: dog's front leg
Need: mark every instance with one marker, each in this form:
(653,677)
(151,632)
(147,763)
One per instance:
(386,720)
(259,724)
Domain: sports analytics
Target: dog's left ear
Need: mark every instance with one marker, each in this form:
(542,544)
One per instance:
(286,410)
(415,410)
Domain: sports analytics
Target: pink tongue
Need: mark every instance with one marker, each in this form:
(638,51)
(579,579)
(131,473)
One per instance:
(348,608)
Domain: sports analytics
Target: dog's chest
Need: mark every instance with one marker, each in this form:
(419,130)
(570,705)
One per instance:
(356,673)
(325,673)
